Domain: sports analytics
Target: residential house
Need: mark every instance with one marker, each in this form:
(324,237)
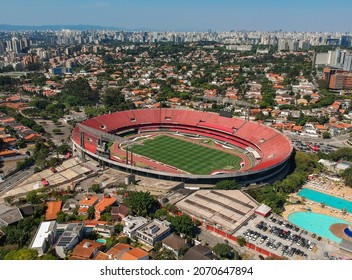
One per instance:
(28,210)
(199,252)
(70,237)
(153,231)
(338,128)
(44,237)
(9,216)
(134,255)
(119,212)
(295,114)
(123,252)
(53,207)
(100,207)
(302,101)
(86,202)
(174,243)
(132,224)
(70,206)
(104,230)
(114,252)
(86,250)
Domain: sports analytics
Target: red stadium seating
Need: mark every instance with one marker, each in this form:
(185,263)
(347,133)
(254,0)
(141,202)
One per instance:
(272,146)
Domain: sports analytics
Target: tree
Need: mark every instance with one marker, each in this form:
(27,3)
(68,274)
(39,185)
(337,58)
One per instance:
(91,213)
(342,153)
(223,250)
(157,246)
(114,100)
(326,135)
(63,149)
(165,255)
(142,203)
(57,131)
(95,188)
(32,197)
(241,241)
(61,217)
(78,93)
(160,213)
(5,249)
(347,176)
(227,185)
(22,254)
(47,256)
(125,240)
(118,228)
(182,224)
(105,217)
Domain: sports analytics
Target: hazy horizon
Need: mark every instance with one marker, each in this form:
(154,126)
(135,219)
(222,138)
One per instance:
(182,15)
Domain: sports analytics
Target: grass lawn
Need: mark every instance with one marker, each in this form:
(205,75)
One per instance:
(187,156)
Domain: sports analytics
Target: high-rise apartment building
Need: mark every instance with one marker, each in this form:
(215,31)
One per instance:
(346,41)
(2,48)
(293,45)
(282,45)
(16,46)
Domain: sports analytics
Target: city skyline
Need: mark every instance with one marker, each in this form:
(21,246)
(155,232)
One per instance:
(222,15)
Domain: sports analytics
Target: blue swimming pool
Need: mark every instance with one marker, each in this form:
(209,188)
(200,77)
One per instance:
(101,240)
(316,223)
(329,200)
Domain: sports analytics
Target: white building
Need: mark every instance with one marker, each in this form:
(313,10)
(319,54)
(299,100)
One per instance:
(154,231)
(45,237)
(132,224)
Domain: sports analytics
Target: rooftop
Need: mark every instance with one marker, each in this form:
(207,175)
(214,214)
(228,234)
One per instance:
(174,241)
(86,248)
(71,232)
(53,208)
(226,209)
(200,252)
(133,223)
(44,230)
(105,202)
(11,216)
(116,251)
(154,228)
(134,254)
(89,200)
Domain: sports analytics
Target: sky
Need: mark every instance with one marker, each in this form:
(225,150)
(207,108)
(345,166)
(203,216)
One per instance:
(184,15)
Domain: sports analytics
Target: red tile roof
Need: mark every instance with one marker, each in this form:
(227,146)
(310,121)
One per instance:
(134,254)
(105,202)
(86,249)
(89,200)
(53,208)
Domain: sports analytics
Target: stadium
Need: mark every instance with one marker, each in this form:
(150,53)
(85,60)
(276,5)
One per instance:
(185,145)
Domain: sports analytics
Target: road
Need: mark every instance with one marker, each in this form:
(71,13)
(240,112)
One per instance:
(14,179)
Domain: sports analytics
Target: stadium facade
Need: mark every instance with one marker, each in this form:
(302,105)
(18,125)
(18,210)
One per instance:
(269,151)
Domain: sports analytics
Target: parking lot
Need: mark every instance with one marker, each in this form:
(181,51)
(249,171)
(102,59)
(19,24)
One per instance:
(284,239)
(306,146)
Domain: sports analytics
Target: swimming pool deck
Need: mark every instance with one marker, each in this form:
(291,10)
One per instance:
(324,185)
(316,208)
(338,230)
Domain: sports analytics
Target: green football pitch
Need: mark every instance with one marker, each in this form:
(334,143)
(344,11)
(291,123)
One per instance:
(187,156)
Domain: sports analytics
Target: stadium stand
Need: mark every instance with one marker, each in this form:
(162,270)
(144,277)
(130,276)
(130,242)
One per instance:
(273,147)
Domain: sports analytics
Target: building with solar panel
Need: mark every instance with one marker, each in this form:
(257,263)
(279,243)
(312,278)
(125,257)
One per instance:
(72,235)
